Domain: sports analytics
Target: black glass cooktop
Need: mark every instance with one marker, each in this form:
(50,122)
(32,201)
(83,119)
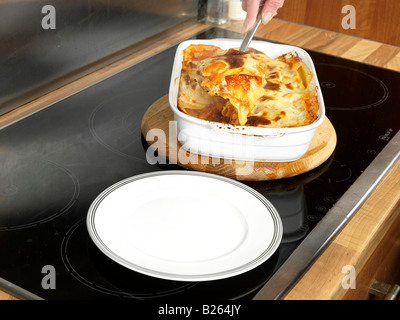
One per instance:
(55,162)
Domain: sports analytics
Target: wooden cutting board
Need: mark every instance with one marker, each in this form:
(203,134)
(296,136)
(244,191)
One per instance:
(159,115)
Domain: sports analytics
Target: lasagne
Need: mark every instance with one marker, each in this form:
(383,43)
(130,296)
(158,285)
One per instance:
(246,88)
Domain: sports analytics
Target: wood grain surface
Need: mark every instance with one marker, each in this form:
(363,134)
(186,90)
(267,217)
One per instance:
(353,244)
(6,296)
(375,19)
(152,48)
(159,115)
(364,244)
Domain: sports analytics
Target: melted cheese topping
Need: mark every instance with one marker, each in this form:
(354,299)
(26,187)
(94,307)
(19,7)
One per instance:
(246,88)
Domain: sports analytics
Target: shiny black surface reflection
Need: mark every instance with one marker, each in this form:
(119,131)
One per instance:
(34,60)
(105,276)
(70,152)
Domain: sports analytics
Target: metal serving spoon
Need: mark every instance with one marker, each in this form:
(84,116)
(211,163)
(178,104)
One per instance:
(250,34)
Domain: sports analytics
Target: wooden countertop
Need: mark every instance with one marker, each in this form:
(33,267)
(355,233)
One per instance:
(354,244)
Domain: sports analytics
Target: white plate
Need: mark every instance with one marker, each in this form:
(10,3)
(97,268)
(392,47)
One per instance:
(188,226)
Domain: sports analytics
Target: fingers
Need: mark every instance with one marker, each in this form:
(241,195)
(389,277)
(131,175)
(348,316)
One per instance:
(252,8)
(269,10)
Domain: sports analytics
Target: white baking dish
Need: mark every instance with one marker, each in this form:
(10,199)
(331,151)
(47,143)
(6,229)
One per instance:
(219,140)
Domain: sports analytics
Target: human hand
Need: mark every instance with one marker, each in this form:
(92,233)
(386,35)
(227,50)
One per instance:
(268,11)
